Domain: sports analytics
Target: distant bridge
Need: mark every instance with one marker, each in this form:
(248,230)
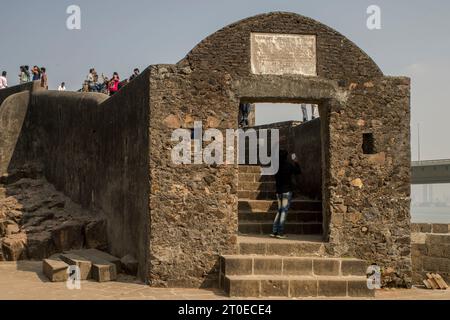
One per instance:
(430,172)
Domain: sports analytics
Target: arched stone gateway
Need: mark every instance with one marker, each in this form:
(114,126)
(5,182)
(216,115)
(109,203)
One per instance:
(178,220)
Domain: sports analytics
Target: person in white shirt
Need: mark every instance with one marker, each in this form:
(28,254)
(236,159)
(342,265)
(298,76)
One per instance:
(62,87)
(3,81)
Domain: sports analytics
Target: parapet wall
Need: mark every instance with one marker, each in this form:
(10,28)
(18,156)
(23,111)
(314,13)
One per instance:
(430,250)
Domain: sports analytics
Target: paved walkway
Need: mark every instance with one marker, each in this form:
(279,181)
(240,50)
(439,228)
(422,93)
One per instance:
(24,280)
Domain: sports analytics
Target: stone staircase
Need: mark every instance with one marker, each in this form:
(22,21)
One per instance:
(287,276)
(258,207)
(293,267)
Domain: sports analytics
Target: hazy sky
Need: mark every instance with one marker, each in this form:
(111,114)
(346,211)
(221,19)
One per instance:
(119,35)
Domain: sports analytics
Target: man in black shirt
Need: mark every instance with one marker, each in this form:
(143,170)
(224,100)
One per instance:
(284,187)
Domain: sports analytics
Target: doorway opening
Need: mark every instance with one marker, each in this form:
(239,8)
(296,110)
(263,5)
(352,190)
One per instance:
(300,134)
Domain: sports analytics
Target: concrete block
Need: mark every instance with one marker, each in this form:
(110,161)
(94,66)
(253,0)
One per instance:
(55,269)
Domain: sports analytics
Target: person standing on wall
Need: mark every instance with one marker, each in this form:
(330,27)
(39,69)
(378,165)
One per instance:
(304,112)
(135,74)
(113,85)
(62,87)
(27,74)
(3,81)
(23,76)
(284,189)
(36,73)
(244,110)
(314,111)
(44,80)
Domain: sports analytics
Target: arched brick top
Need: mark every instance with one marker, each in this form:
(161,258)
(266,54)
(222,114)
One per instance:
(228,50)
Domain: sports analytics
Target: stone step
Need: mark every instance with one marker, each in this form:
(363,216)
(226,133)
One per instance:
(272,205)
(55,269)
(257,195)
(254,177)
(296,286)
(293,216)
(263,195)
(294,246)
(249,227)
(257,186)
(245,265)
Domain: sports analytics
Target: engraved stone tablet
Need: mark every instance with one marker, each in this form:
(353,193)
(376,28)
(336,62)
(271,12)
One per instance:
(280,54)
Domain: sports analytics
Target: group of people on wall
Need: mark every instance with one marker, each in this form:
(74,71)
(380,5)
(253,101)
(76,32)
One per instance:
(91,84)
(27,75)
(105,85)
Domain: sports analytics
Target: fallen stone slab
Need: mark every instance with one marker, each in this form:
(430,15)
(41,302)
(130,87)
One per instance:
(55,269)
(100,255)
(102,270)
(84,264)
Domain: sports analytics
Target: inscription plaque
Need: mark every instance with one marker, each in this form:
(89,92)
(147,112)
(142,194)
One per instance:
(280,54)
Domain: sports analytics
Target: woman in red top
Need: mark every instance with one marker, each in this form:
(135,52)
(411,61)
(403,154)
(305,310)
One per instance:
(114,84)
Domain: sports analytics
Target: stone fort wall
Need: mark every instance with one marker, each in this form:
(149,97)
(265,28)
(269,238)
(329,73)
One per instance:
(115,155)
(93,149)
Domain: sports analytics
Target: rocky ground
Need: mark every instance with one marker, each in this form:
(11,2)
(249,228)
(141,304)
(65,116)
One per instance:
(37,221)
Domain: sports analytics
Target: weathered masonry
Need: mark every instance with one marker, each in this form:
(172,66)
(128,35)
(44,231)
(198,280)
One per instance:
(200,225)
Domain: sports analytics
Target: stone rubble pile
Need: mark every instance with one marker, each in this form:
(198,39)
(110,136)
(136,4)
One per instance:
(37,221)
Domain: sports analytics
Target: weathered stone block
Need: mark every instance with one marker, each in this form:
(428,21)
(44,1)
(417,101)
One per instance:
(14,247)
(358,288)
(102,270)
(97,254)
(252,248)
(332,288)
(237,265)
(303,288)
(438,239)
(297,266)
(274,288)
(326,267)
(353,267)
(82,263)
(440,228)
(55,270)
(265,266)
(242,288)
